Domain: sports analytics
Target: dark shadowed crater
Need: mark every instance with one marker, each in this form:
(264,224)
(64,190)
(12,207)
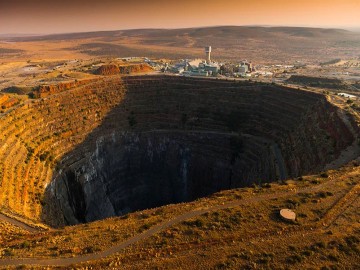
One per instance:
(177,139)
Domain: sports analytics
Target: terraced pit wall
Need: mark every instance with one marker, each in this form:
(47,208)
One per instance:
(118,145)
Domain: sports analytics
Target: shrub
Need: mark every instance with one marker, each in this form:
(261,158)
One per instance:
(322,194)
(145,227)
(266,185)
(320,245)
(324,175)
(196,223)
(8,252)
(315,181)
(294,259)
(125,216)
(43,156)
(333,257)
(308,253)
(25,244)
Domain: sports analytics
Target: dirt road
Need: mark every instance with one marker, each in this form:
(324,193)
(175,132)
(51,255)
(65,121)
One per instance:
(18,223)
(155,229)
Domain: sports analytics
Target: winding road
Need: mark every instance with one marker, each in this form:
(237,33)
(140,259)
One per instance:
(18,223)
(354,193)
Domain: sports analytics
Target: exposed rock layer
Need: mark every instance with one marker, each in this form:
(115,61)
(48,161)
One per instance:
(108,70)
(113,69)
(111,145)
(176,139)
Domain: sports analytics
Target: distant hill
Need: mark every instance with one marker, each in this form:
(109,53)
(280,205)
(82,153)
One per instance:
(262,44)
(201,32)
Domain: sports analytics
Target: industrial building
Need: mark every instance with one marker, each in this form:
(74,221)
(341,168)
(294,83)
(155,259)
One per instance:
(197,67)
(208,54)
(242,69)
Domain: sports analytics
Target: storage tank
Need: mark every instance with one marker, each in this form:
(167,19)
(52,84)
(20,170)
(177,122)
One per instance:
(208,54)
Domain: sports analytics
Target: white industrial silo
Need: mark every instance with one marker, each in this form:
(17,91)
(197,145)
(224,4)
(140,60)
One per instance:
(208,54)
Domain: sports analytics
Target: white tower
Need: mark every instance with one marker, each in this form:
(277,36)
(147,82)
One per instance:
(208,54)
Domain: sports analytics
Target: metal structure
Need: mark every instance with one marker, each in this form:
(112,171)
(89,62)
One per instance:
(208,54)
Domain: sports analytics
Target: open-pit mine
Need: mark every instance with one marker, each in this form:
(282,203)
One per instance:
(83,151)
(155,166)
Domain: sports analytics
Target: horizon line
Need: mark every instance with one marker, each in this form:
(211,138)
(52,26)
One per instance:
(18,34)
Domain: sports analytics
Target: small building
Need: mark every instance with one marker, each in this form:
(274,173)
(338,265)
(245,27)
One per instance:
(211,68)
(242,69)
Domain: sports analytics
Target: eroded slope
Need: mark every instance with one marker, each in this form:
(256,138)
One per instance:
(115,145)
(172,139)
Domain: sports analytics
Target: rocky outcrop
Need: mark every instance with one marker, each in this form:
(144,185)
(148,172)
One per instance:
(37,134)
(319,138)
(112,69)
(20,90)
(46,90)
(108,70)
(138,68)
(8,102)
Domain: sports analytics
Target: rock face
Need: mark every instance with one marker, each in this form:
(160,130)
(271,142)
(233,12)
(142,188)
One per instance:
(177,139)
(108,70)
(7,102)
(46,90)
(128,69)
(129,171)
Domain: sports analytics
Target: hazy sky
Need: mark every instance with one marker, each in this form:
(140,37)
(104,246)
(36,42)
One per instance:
(54,16)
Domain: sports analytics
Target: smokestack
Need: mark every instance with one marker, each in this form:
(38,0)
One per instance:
(208,54)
